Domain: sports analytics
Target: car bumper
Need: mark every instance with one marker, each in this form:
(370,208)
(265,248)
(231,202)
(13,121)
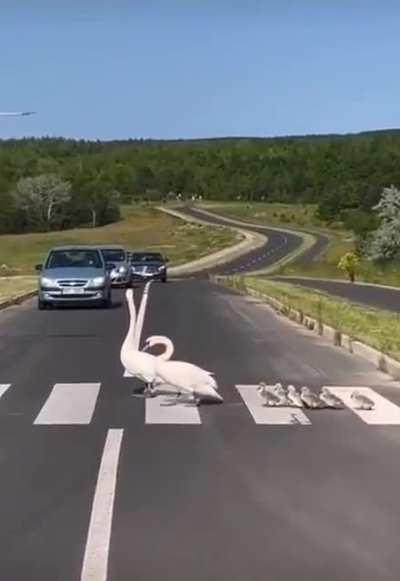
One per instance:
(88,296)
(149,276)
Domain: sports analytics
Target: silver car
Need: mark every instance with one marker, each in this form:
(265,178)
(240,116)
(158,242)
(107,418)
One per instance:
(120,272)
(74,274)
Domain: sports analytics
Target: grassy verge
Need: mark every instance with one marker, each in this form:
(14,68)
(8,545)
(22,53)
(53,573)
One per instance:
(377,328)
(140,228)
(303,217)
(14,286)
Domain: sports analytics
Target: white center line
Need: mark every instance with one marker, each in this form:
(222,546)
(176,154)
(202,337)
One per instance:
(95,561)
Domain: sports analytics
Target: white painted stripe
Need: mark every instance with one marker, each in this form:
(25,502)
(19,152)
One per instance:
(164,409)
(279,416)
(141,314)
(69,403)
(4,387)
(95,561)
(385,413)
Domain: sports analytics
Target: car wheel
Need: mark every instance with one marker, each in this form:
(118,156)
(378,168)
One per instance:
(42,305)
(164,279)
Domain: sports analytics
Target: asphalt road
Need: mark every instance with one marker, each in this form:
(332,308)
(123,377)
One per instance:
(281,244)
(130,493)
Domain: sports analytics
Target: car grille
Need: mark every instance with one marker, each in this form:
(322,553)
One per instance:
(74,283)
(145,269)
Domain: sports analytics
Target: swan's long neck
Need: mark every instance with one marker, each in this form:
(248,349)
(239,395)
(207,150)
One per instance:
(128,343)
(169,349)
(166,342)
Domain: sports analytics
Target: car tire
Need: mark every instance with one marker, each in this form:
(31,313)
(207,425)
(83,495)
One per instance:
(42,305)
(164,279)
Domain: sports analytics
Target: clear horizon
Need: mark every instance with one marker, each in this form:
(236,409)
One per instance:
(177,70)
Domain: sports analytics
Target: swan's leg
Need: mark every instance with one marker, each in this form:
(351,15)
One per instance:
(149,390)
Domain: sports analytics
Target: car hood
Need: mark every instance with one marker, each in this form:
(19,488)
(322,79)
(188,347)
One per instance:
(147,263)
(73,272)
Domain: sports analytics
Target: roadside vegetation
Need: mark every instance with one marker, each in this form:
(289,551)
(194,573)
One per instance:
(377,328)
(11,287)
(55,183)
(305,217)
(140,228)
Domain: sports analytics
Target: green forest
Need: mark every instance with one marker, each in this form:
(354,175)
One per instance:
(54,183)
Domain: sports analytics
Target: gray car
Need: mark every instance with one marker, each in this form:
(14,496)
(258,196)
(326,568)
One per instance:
(116,255)
(74,274)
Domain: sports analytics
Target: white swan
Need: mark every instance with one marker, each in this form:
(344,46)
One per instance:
(294,397)
(139,364)
(330,399)
(361,401)
(185,377)
(267,393)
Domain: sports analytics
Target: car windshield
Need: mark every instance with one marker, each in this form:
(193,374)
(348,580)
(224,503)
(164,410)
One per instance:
(146,257)
(74,258)
(111,255)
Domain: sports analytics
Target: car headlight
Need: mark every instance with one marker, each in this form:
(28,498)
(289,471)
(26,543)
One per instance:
(162,267)
(97,281)
(47,282)
(122,270)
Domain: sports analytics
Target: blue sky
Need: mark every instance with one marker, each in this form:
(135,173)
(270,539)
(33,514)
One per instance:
(198,68)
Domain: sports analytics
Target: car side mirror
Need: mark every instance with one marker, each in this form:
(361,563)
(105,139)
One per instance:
(39,267)
(110,266)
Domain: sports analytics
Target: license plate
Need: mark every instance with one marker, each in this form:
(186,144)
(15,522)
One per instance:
(73,291)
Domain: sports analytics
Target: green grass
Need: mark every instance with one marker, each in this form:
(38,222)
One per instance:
(377,328)
(14,286)
(303,217)
(140,228)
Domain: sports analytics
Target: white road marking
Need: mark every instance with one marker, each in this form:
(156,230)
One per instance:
(261,414)
(4,387)
(385,412)
(164,409)
(69,403)
(95,561)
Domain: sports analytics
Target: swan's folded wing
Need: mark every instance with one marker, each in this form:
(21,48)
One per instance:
(184,375)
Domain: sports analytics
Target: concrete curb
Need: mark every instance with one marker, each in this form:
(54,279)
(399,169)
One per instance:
(251,241)
(380,360)
(17,300)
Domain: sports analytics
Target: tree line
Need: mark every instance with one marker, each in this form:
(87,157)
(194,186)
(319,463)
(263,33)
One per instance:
(60,183)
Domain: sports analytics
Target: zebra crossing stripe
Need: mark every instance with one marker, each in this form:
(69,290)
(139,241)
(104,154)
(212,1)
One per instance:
(4,387)
(164,409)
(274,416)
(69,403)
(385,413)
